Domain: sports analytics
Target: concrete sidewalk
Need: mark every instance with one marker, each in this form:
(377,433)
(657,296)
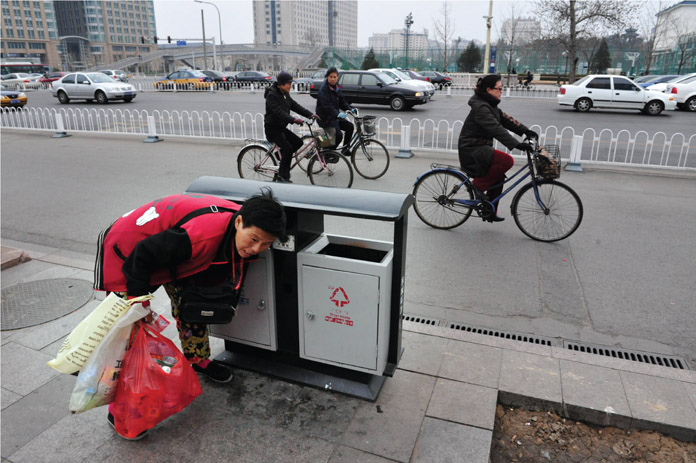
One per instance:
(438,407)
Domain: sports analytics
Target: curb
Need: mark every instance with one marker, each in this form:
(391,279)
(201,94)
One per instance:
(12,257)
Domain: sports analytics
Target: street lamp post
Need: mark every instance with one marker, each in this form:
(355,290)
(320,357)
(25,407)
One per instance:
(222,59)
(408,22)
(489,23)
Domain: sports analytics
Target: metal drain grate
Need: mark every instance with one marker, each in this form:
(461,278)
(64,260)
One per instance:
(420,319)
(502,334)
(625,354)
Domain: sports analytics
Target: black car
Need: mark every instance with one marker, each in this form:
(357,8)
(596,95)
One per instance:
(437,79)
(305,83)
(220,79)
(369,87)
(250,77)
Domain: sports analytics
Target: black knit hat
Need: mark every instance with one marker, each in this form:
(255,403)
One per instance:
(284,77)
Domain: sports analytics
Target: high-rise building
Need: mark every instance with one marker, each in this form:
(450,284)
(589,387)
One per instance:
(378,42)
(521,30)
(309,23)
(29,32)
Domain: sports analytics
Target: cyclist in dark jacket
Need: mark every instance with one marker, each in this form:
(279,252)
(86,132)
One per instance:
(484,123)
(331,109)
(278,107)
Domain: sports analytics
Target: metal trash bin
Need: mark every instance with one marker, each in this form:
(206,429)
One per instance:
(292,351)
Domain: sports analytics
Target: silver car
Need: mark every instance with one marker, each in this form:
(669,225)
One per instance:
(92,86)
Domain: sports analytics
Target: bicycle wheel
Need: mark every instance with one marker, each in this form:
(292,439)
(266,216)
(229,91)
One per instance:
(254,163)
(372,161)
(338,172)
(303,162)
(436,195)
(561,218)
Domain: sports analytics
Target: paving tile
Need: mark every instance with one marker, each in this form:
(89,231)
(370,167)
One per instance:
(594,394)
(463,403)
(390,432)
(24,369)
(27,270)
(660,404)
(530,381)
(471,363)
(8,398)
(34,413)
(344,454)
(321,414)
(446,442)
(422,353)
(407,390)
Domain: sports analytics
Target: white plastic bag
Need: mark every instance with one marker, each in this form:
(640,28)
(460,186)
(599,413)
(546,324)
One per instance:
(96,384)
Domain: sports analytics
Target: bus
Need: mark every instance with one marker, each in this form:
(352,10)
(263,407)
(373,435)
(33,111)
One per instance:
(29,68)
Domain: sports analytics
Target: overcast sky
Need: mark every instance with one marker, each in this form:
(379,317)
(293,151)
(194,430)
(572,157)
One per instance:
(182,18)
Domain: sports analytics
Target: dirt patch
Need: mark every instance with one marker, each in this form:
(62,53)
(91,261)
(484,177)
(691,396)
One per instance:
(525,436)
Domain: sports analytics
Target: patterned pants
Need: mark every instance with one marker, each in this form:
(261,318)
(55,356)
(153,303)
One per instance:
(194,337)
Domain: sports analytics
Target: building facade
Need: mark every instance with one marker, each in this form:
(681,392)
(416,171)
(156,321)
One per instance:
(29,32)
(308,23)
(522,30)
(675,39)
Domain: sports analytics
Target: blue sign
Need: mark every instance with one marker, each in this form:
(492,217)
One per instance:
(181,43)
(494,52)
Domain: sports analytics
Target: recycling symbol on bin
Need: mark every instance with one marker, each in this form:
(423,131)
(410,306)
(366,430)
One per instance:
(339,297)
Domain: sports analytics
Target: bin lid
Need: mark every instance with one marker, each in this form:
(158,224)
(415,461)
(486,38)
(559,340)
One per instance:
(378,205)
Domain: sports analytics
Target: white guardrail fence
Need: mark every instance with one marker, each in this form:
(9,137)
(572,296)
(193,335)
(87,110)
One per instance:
(625,148)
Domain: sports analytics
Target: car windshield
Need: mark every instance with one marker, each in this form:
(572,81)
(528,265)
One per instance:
(99,78)
(386,78)
(402,75)
(197,74)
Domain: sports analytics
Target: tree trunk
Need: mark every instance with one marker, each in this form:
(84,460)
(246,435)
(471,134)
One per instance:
(572,44)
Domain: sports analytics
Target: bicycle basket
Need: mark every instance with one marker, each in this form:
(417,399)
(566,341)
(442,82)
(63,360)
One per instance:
(325,137)
(369,125)
(548,161)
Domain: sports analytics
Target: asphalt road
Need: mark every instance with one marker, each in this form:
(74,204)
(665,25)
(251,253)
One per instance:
(625,278)
(543,112)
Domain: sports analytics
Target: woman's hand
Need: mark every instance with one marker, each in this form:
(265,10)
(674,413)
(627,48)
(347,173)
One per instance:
(531,134)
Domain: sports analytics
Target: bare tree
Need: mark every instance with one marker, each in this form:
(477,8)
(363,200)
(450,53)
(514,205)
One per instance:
(509,33)
(570,20)
(675,35)
(444,31)
(649,30)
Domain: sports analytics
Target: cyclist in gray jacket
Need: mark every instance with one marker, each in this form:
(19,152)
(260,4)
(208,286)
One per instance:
(484,123)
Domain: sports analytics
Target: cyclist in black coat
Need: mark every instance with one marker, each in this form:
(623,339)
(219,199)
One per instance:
(484,123)
(278,107)
(331,109)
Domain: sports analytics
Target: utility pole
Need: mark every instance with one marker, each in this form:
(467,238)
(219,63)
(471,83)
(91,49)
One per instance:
(205,53)
(408,22)
(489,23)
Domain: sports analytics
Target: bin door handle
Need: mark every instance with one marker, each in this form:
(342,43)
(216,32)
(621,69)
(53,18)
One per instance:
(262,305)
(310,315)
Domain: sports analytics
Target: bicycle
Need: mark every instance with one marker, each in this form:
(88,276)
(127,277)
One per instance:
(258,160)
(369,157)
(544,209)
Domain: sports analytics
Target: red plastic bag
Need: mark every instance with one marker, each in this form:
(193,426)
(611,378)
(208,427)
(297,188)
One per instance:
(155,383)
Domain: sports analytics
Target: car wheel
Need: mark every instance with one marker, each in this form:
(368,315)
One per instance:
(101,98)
(63,98)
(690,104)
(653,108)
(583,105)
(397,103)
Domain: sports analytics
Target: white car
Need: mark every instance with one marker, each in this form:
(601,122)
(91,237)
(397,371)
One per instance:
(684,93)
(613,92)
(91,86)
(115,74)
(21,80)
(661,87)
(405,79)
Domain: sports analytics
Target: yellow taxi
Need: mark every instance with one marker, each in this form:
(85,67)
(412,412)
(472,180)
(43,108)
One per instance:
(190,80)
(12,98)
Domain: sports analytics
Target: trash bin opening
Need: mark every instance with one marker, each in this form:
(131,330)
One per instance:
(353,252)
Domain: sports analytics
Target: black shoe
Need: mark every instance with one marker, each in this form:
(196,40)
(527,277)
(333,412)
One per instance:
(110,419)
(345,151)
(216,372)
(478,194)
(280,179)
(495,218)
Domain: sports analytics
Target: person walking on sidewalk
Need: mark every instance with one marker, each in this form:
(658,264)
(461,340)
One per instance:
(484,123)
(331,108)
(187,240)
(279,103)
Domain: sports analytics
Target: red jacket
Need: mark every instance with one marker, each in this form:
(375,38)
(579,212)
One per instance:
(157,243)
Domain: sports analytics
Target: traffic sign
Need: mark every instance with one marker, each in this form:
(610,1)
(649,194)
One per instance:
(181,43)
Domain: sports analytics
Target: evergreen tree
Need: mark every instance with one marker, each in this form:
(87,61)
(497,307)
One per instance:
(370,61)
(322,63)
(470,59)
(602,60)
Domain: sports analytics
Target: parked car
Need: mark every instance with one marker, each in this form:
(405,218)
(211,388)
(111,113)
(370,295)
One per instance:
(185,79)
(684,93)
(645,78)
(20,80)
(304,83)
(662,86)
(51,77)
(613,92)
(437,79)
(414,75)
(220,79)
(657,80)
(116,74)
(12,98)
(250,77)
(370,87)
(92,86)
(404,78)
